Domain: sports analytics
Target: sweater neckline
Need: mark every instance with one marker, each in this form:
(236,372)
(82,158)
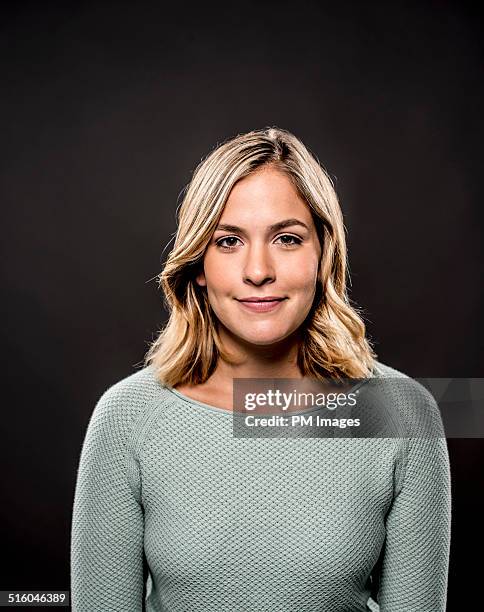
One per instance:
(193,402)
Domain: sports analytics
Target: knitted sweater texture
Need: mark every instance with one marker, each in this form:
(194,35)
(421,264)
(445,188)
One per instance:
(172,513)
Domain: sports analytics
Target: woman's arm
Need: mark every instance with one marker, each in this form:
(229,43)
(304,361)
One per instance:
(416,555)
(107,524)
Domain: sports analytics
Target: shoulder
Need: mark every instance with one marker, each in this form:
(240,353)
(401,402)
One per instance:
(128,400)
(411,399)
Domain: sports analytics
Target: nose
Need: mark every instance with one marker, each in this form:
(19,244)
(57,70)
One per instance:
(258,265)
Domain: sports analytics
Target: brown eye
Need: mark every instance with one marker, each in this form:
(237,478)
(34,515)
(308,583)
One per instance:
(228,247)
(291,237)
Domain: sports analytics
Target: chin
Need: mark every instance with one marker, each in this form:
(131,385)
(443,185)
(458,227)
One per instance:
(265,339)
(263,342)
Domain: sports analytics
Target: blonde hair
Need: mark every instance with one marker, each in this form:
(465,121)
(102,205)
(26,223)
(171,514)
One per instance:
(333,342)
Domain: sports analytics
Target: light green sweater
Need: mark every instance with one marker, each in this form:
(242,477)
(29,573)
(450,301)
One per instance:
(173,513)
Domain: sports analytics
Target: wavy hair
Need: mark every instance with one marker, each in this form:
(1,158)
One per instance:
(333,340)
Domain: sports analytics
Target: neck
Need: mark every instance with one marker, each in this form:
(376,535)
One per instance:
(277,360)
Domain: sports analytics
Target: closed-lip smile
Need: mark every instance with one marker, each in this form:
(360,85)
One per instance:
(266,304)
(270,298)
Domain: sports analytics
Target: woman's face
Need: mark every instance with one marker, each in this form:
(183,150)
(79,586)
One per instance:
(265,245)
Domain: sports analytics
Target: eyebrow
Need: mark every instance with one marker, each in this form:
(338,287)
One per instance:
(272,228)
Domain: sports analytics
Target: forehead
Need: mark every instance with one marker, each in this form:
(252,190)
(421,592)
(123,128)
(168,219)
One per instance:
(264,195)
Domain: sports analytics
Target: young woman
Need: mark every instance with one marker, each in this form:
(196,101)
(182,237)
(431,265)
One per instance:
(172,511)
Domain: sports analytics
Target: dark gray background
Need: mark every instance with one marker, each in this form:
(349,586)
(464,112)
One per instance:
(106,109)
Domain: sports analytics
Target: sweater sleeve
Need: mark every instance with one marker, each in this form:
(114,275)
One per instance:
(416,551)
(107,522)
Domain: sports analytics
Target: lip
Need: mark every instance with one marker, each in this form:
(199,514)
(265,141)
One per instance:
(261,304)
(262,298)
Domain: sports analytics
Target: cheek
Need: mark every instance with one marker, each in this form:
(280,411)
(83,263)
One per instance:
(300,275)
(219,275)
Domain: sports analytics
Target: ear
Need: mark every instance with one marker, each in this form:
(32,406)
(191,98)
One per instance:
(200,279)
(318,275)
